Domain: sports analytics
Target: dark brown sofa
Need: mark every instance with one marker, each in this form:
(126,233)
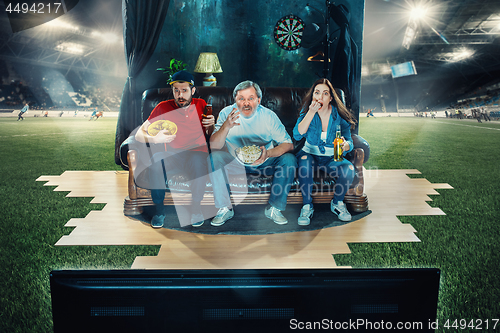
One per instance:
(285,102)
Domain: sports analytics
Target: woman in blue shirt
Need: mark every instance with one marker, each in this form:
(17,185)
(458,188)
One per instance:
(322,110)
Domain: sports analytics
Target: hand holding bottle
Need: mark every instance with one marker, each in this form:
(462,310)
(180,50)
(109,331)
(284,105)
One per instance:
(208,121)
(345,146)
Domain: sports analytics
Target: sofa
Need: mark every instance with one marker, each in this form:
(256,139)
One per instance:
(286,103)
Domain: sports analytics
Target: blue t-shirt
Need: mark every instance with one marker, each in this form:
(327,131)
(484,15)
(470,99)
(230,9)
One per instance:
(263,128)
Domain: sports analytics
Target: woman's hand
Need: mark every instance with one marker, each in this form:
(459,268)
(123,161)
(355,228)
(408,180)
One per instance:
(345,146)
(303,126)
(315,106)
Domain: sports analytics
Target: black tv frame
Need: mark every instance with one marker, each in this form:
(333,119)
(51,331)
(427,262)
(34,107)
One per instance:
(264,300)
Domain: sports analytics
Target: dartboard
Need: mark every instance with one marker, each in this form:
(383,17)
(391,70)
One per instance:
(288,32)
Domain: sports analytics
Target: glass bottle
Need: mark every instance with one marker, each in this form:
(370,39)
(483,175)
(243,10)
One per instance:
(337,145)
(208,107)
(208,112)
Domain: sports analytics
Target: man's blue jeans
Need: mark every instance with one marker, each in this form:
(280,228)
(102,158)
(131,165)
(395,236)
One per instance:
(282,169)
(343,173)
(166,165)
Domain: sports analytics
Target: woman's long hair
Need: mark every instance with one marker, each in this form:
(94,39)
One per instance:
(341,108)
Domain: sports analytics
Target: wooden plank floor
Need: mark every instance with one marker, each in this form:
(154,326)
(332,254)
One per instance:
(391,193)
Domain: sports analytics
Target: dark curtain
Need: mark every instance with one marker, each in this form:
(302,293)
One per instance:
(142,24)
(343,69)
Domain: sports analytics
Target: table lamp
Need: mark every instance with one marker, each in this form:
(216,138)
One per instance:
(208,63)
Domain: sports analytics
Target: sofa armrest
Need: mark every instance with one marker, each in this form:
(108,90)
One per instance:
(358,185)
(359,142)
(124,148)
(132,165)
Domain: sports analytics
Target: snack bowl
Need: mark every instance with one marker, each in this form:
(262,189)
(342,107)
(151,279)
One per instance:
(159,125)
(247,155)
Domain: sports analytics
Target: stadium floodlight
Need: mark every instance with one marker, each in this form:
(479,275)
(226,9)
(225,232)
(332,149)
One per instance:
(461,54)
(385,69)
(110,37)
(411,32)
(418,13)
(61,25)
(73,48)
(107,37)
(365,71)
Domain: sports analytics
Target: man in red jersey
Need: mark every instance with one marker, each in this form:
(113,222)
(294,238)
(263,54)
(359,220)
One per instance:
(179,149)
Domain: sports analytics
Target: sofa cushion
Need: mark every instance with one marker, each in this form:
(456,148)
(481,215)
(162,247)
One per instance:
(258,184)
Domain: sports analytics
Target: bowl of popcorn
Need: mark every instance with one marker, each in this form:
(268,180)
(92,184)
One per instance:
(160,125)
(248,154)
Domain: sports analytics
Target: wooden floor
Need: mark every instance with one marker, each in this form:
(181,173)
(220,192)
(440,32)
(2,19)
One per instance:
(391,193)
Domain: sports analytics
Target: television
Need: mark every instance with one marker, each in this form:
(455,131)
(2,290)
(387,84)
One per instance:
(403,69)
(262,300)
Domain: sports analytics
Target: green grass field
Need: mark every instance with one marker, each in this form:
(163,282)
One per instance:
(463,243)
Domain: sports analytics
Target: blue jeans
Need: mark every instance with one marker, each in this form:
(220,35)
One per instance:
(282,168)
(343,173)
(167,164)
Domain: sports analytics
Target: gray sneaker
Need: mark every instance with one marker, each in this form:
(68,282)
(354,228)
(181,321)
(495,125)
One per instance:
(157,221)
(306,213)
(340,210)
(159,217)
(222,216)
(197,220)
(275,215)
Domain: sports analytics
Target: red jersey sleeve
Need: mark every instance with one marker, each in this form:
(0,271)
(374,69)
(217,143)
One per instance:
(200,106)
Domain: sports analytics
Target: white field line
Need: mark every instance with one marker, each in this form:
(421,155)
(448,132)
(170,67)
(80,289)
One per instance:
(48,134)
(444,122)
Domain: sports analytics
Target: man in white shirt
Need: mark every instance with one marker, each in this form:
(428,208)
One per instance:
(248,123)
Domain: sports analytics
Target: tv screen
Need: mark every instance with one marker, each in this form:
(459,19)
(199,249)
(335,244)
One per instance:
(403,69)
(244,300)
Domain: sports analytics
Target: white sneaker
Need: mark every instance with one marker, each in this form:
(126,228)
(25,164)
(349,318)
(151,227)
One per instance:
(306,213)
(340,210)
(222,216)
(275,215)
(157,221)
(197,220)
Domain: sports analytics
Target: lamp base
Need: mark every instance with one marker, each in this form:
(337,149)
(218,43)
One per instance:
(209,80)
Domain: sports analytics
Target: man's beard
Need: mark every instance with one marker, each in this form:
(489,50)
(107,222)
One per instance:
(182,103)
(249,112)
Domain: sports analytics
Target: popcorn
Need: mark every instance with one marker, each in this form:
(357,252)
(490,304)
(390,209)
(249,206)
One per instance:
(160,125)
(248,154)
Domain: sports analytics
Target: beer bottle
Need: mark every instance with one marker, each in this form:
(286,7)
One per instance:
(208,107)
(208,112)
(337,145)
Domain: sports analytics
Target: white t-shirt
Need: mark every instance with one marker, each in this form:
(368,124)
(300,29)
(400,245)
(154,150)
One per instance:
(314,150)
(263,128)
